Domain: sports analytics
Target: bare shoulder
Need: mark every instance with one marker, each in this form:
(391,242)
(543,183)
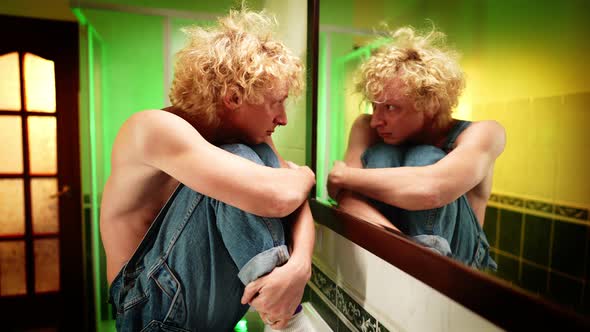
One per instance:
(361,131)
(489,135)
(125,147)
(149,120)
(144,121)
(489,127)
(152,132)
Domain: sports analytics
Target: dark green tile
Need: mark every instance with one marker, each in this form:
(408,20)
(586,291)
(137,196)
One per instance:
(324,311)
(306,294)
(565,291)
(382,328)
(490,225)
(355,313)
(586,302)
(569,244)
(325,284)
(534,279)
(510,229)
(343,327)
(537,235)
(507,269)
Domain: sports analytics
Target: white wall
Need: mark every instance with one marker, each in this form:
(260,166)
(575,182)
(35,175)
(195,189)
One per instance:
(397,300)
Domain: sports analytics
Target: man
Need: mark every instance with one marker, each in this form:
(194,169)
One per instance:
(192,233)
(410,163)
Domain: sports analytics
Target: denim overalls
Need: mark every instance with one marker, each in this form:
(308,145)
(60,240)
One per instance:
(189,272)
(452,230)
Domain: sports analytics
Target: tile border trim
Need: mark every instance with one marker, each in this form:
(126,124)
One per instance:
(557,211)
(349,311)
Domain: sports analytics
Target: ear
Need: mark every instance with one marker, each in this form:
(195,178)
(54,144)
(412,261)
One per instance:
(434,109)
(231,100)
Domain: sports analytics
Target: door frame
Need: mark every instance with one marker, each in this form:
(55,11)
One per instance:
(68,309)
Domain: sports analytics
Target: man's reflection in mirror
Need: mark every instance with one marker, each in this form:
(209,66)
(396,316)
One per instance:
(410,164)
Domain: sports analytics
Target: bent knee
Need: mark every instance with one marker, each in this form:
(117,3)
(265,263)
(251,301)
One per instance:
(267,154)
(382,155)
(261,154)
(243,151)
(423,155)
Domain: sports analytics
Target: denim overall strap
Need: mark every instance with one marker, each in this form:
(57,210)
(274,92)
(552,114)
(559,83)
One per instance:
(454,133)
(146,242)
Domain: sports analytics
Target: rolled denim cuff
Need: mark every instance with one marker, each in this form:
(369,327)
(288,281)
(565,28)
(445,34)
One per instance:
(434,242)
(263,263)
(492,265)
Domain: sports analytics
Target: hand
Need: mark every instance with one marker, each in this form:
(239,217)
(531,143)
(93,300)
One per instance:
(273,323)
(336,178)
(305,172)
(302,183)
(277,295)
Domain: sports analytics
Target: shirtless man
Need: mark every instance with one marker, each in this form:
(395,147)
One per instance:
(192,232)
(410,163)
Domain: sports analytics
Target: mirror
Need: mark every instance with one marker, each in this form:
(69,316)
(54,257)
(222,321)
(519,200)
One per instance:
(524,68)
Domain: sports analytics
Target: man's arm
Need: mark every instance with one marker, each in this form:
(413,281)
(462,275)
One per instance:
(357,205)
(302,226)
(278,294)
(420,188)
(350,202)
(166,142)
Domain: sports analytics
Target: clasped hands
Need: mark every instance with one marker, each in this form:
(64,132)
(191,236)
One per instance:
(277,295)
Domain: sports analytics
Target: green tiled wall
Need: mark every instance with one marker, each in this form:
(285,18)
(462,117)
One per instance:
(547,256)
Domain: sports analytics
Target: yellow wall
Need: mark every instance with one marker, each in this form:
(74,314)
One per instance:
(526,68)
(528,71)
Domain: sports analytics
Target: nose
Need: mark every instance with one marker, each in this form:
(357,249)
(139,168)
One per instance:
(376,118)
(281,118)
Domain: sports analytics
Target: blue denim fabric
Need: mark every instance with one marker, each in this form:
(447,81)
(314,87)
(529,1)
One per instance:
(451,230)
(190,270)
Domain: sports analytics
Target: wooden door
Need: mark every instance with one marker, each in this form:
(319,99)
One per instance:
(41,253)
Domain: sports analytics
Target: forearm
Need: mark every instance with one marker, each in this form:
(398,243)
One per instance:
(356,205)
(302,238)
(411,188)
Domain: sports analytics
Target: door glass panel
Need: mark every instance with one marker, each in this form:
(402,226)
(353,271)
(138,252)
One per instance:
(45,206)
(11,147)
(39,84)
(9,82)
(42,144)
(46,265)
(12,268)
(12,207)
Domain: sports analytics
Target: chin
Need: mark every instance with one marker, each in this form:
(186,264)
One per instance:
(392,141)
(257,140)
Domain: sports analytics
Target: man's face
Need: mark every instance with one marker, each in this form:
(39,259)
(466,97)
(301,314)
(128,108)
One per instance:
(253,123)
(395,119)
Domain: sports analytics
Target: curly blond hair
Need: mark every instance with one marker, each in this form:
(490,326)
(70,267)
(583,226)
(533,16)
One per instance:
(429,72)
(238,57)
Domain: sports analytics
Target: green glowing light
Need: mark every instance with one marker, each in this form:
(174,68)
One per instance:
(242,326)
